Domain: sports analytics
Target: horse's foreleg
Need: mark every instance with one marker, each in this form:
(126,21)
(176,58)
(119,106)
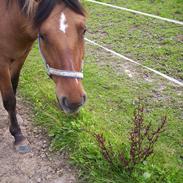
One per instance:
(15,71)
(9,102)
(14,81)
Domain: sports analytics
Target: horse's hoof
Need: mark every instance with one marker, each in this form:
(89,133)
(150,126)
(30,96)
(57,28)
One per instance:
(23,147)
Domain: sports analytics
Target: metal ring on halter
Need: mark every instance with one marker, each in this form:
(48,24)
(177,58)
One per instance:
(58,72)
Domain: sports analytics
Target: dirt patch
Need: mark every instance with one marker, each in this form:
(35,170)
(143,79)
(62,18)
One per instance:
(179,38)
(118,65)
(40,165)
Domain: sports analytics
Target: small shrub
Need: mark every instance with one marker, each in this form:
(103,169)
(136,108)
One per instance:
(142,140)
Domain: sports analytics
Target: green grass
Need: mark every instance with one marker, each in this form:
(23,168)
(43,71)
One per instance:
(109,111)
(152,42)
(165,8)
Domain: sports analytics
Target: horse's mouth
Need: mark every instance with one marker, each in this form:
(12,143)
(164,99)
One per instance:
(69,111)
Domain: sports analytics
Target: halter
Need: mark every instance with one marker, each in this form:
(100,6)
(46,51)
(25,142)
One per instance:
(58,72)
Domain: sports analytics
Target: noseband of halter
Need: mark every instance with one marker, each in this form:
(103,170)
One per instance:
(57,72)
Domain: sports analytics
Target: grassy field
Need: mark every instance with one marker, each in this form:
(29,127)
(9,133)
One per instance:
(168,9)
(152,42)
(113,87)
(109,111)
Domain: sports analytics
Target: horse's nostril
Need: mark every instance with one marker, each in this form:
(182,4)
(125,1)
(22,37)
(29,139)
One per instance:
(64,101)
(84,99)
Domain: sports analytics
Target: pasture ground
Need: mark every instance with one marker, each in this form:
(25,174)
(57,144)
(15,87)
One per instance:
(169,9)
(40,165)
(152,42)
(113,86)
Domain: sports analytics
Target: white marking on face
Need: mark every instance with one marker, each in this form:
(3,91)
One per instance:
(63,23)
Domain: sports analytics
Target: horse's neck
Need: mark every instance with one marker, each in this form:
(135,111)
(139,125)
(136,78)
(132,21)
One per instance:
(17,34)
(17,22)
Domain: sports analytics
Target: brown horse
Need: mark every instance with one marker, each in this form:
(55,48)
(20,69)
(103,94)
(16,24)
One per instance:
(60,26)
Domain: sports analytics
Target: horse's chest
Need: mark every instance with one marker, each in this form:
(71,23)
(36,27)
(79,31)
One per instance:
(14,49)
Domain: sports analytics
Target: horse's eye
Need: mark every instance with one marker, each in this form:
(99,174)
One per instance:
(42,37)
(84,31)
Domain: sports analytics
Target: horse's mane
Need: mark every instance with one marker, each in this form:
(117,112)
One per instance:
(39,10)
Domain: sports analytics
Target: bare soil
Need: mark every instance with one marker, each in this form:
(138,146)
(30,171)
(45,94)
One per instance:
(39,166)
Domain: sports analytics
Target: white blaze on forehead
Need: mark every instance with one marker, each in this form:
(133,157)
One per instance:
(63,23)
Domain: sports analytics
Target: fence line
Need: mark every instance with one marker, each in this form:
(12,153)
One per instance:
(135,62)
(137,12)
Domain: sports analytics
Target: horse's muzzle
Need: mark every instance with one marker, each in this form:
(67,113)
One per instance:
(69,107)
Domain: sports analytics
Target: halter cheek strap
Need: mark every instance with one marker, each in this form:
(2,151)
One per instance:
(58,72)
